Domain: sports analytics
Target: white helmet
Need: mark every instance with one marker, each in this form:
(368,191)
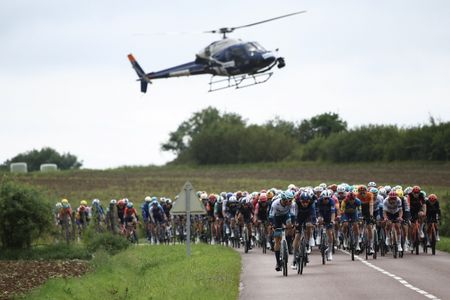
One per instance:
(148,199)
(326,194)
(371,184)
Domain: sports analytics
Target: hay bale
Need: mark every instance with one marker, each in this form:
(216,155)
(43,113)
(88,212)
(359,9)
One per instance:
(18,167)
(48,167)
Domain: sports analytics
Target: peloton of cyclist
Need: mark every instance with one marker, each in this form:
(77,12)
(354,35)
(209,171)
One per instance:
(279,215)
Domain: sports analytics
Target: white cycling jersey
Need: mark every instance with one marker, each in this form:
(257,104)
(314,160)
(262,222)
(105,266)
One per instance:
(392,207)
(279,210)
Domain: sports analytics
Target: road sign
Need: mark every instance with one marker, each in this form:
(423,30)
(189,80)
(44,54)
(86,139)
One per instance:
(187,201)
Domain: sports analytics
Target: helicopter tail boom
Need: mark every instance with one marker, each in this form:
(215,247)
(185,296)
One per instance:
(140,72)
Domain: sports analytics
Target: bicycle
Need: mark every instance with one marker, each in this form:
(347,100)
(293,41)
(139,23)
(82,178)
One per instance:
(351,244)
(131,233)
(323,247)
(432,236)
(284,251)
(300,254)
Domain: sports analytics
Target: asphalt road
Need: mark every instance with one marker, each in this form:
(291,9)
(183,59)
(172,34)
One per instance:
(412,277)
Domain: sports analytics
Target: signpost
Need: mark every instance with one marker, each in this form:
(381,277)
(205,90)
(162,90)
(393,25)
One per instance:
(186,204)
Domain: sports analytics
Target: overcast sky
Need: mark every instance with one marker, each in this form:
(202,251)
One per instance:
(66,83)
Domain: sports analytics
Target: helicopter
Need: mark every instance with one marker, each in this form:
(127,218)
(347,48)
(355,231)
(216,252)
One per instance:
(243,63)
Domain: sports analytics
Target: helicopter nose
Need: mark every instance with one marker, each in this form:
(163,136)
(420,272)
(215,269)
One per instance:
(269,57)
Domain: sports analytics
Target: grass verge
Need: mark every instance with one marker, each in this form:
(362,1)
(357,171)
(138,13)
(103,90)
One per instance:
(444,244)
(153,272)
(47,252)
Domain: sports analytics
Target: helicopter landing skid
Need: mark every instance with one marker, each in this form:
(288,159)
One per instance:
(238,82)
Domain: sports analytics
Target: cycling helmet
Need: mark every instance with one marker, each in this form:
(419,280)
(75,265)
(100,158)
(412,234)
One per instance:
(64,201)
(399,193)
(130,204)
(291,187)
(318,189)
(212,198)
(154,199)
(263,197)
(270,195)
(229,195)
(397,187)
(148,199)
(387,188)
(223,195)
(58,205)
(168,201)
(362,189)
(351,195)
(219,199)
(95,201)
(416,189)
(340,189)
(374,190)
(333,187)
(121,203)
(238,194)
(326,194)
(232,199)
(287,195)
(408,190)
(162,200)
(305,197)
(432,198)
(83,202)
(372,184)
(204,196)
(113,201)
(392,195)
(382,192)
(155,202)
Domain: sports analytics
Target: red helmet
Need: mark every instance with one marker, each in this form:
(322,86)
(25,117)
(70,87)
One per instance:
(362,188)
(392,194)
(212,198)
(333,187)
(350,196)
(416,189)
(263,197)
(432,198)
(238,195)
(121,203)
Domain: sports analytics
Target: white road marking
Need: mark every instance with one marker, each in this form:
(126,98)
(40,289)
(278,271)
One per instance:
(399,279)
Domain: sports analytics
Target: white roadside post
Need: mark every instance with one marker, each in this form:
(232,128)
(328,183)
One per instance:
(186,204)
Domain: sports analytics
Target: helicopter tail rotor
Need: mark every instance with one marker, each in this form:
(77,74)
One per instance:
(140,72)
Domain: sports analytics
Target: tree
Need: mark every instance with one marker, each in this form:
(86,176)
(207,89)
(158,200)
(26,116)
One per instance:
(180,139)
(321,125)
(35,158)
(24,215)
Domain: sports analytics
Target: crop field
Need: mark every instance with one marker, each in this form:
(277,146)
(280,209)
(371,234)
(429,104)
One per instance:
(137,182)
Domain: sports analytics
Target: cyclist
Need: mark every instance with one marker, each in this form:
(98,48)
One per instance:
(350,210)
(305,214)
(433,214)
(121,204)
(82,216)
(406,218)
(97,212)
(66,209)
(393,213)
(416,201)
(230,208)
(210,204)
(218,215)
(157,217)
(327,212)
(56,212)
(261,215)
(130,215)
(280,215)
(145,209)
(245,216)
(367,203)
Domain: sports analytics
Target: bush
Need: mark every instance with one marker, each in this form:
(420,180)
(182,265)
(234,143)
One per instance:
(445,215)
(25,215)
(107,241)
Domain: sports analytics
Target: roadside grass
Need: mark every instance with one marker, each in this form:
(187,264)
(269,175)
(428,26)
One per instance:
(444,244)
(153,272)
(47,252)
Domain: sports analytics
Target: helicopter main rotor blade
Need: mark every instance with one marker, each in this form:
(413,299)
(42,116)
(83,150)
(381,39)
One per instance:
(268,20)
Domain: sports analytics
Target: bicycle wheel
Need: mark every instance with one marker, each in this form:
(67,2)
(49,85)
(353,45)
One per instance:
(433,240)
(284,260)
(263,238)
(246,240)
(301,257)
(376,246)
(323,246)
(395,250)
(352,245)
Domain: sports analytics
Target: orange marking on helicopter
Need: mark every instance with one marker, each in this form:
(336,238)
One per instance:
(131,58)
